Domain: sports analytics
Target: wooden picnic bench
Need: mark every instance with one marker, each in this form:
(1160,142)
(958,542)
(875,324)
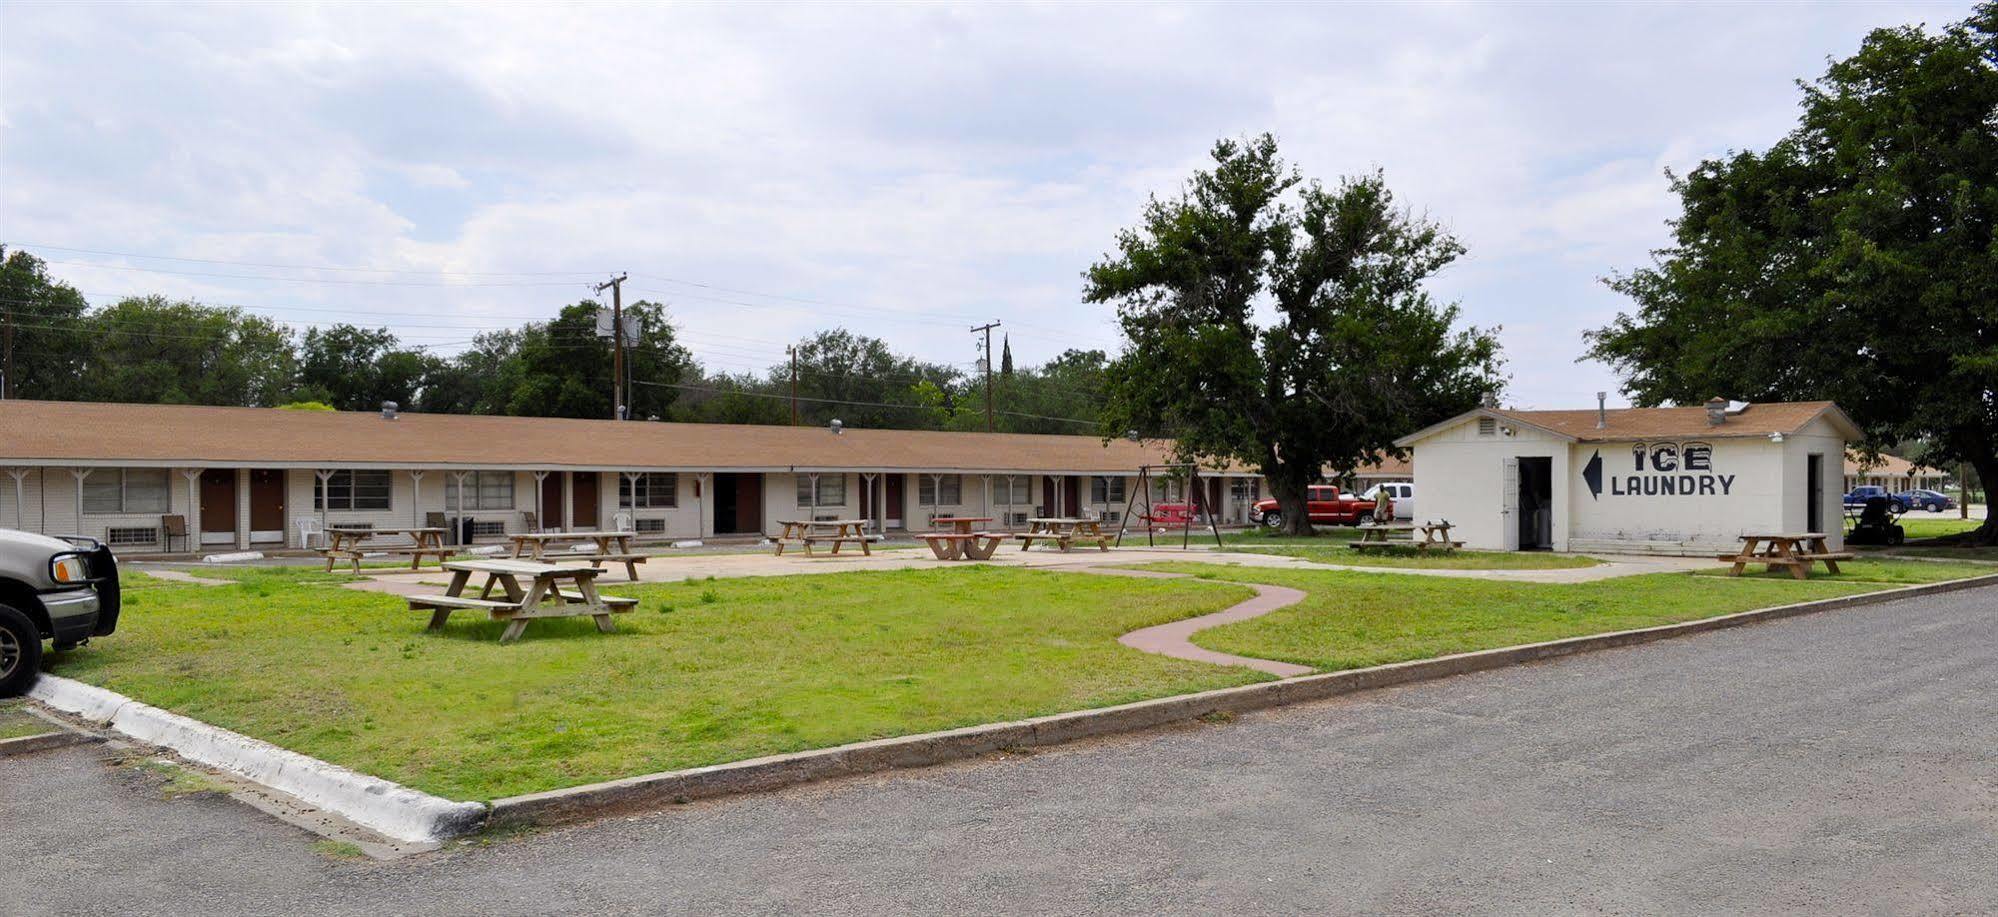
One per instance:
(961,542)
(1377,537)
(1064,532)
(808,532)
(1793,551)
(349,544)
(608,547)
(542,597)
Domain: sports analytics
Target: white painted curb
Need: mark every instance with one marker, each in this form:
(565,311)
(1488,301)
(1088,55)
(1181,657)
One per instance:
(390,808)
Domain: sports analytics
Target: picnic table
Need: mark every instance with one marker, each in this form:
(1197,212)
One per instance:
(1064,531)
(348,544)
(542,597)
(609,547)
(1376,537)
(960,542)
(808,532)
(1794,551)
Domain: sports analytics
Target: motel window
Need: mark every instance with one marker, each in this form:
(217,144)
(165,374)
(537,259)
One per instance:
(353,490)
(652,490)
(939,490)
(125,490)
(482,490)
(831,492)
(1106,490)
(1012,490)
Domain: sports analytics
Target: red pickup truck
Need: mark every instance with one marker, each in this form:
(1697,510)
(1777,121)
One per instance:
(1327,505)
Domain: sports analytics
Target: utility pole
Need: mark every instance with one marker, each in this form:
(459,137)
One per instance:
(616,286)
(794,384)
(987,328)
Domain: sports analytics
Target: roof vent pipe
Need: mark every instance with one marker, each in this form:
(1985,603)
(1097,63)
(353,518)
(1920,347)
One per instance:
(1716,411)
(388,410)
(1602,410)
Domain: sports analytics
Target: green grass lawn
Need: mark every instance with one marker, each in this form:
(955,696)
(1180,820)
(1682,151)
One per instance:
(1353,620)
(703,672)
(1935,525)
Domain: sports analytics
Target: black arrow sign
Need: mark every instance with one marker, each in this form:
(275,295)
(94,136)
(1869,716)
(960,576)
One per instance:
(1593,474)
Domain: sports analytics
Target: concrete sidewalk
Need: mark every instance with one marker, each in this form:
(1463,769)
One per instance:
(670,569)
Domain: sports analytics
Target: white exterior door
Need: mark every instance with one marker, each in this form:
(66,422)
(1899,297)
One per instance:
(1509,503)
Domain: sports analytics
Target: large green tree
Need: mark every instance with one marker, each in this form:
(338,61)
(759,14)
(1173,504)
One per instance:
(1854,260)
(154,350)
(42,332)
(356,369)
(1355,351)
(566,370)
(861,381)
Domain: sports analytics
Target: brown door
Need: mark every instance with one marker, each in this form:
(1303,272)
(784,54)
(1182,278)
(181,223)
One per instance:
(583,499)
(1071,496)
(894,496)
(1213,507)
(1047,506)
(266,505)
(550,517)
(749,503)
(218,505)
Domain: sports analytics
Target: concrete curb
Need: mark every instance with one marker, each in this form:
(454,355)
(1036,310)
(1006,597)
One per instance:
(56,737)
(392,809)
(759,774)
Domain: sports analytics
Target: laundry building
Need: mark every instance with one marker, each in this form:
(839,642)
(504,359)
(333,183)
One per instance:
(1678,480)
(133,474)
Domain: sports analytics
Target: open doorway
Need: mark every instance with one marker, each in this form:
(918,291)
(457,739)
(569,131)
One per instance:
(1814,493)
(1536,503)
(738,503)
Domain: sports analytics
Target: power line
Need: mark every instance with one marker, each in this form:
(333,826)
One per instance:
(308,267)
(381,283)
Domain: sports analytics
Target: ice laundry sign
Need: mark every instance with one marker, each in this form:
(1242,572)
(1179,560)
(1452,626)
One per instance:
(1658,470)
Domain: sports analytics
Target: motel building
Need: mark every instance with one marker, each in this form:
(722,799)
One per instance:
(1680,480)
(250,478)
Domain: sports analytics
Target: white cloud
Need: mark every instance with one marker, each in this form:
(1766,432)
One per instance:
(939,163)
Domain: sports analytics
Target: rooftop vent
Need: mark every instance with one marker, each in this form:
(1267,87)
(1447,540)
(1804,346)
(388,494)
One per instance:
(389,409)
(1716,411)
(1602,410)
(836,426)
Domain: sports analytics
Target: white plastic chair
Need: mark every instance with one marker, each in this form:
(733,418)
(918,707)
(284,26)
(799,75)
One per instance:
(308,527)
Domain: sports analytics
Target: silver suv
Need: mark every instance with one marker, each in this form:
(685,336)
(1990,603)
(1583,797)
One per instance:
(60,589)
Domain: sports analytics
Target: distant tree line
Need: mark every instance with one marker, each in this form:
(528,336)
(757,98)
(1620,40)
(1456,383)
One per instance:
(54,345)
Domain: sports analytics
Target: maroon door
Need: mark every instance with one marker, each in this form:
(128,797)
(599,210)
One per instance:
(749,502)
(583,499)
(894,497)
(218,501)
(551,503)
(1048,496)
(267,504)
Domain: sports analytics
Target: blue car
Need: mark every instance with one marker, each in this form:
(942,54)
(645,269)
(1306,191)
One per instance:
(1930,500)
(1856,498)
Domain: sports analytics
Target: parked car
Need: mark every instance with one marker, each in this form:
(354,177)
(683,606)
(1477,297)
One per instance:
(64,590)
(1856,498)
(1930,500)
(1326,504)
(1400,495)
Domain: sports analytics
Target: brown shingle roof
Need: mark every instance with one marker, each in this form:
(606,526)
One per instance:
(1892,466)
(53,432)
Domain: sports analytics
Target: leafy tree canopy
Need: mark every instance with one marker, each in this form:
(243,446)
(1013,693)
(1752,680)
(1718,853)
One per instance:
(1854,260)
(1356,354)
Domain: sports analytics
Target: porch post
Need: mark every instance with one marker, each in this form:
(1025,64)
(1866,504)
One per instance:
(416,497)
(458,519)
(325,502)
(20,496)
(814,476)
(79,474)
(193,476)
(540,489)
(631,483)
(867,492)
(702,481)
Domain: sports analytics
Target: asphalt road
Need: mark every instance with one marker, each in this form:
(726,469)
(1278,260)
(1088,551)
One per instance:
(1837,763)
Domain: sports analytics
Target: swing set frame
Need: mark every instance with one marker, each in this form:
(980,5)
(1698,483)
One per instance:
(1197,499)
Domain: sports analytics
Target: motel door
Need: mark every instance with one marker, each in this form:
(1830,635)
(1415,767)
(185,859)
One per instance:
(892,492)
(218,506)
(1814,493)
(550,517)
(266,506)
(583,499)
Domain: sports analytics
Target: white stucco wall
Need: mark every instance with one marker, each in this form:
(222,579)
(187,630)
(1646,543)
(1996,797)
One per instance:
(1749,484)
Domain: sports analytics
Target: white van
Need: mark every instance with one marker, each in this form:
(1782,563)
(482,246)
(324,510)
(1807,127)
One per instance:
(1403,495)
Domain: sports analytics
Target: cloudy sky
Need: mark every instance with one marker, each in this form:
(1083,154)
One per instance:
(904,171)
